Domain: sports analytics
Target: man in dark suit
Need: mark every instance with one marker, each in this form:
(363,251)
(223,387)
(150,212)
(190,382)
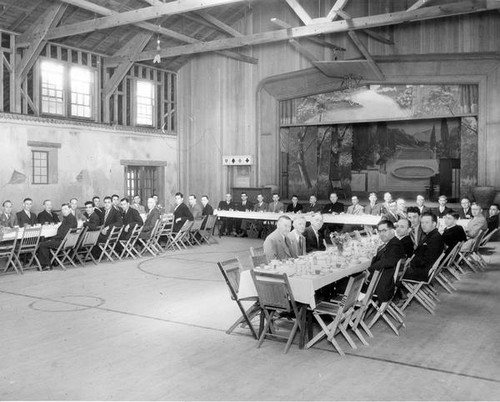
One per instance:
(453,233)
(313,205)
(277,244)
(93,221)
(465,212)
(68,222)
(493,215)
(294,206)
(392,212)
(403,229)
(152,217)
(227,224)
(131,218)
(428,250)
(8,219)
(181,212)
(373,208)
(416,233)
(420,204)
(115,199)
(386,259)
(26,217)
(334,207)
(207,208)
(97,209)
(276,205)
(442,209)
(47,216)
(242,224)
(314,235)
(112,218)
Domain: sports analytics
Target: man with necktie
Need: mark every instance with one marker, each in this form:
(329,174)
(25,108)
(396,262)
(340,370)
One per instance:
(276,206)
(313,205)
(296,236)
(227,224)
(314,235)
(8,219)
(453,233)
(294,206)
(277,244)
(416,232)
(26,217)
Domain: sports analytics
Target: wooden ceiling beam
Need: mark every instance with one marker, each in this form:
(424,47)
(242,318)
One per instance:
(133,16)
(299,10)
(318,41)
(303,51)
(338,6)
(358,23)
(219,24)
(36,38)
(379,37)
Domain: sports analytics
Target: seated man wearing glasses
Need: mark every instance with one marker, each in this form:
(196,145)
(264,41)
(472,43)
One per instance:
(68,222)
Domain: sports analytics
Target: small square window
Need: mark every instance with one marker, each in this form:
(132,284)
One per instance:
(40,163)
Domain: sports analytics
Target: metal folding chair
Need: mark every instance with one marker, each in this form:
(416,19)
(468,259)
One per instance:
(83,252)
(231,270)
(65,251)
(128,245)
(8,251)
(422,291)
(108,248)
(340,313)
(28,246)
(207,231)
(275,296)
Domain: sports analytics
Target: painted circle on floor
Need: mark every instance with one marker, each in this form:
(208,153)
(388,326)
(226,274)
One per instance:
(67,303)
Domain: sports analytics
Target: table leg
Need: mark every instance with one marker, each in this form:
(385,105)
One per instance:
(302,320)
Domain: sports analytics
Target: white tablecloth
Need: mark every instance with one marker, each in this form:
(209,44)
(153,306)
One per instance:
(327,218)
(47,231)
(303,287)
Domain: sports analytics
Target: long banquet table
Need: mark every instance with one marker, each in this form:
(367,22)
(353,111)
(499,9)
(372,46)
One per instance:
(327,218)
(47,231)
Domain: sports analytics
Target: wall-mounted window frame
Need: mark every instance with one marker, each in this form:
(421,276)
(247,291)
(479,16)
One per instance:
(44,162)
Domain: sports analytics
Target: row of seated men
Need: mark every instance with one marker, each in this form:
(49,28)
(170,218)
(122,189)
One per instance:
(414,236)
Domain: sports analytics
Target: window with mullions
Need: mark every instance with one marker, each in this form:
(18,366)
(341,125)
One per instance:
(40,163)
(82,80)
(52,87)
(145,98)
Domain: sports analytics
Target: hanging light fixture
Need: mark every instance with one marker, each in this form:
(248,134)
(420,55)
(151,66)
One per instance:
(157,59)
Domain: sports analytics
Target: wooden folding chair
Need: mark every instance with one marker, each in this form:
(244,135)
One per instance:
(231,270)
(83,252)
(178,240)
(163,232)
(487,238)
(65,251)
(340,313)
(388,310)
(470,257)
(361,307)
(8,251)
(259,260)
(256,251)
(275,296)
(128,245)
(207,231)
(194,233)
(447,266)
(151,244)
(108,248)
(28,247)
(422,291)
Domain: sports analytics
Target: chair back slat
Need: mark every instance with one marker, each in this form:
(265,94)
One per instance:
(231,271)
(185,227)
(71,238)
(487,237)
(30,239)
(478,240)
(258,260)
(399,271)
(274,291)
(436,267)
(256,251)
(352,291)
(114,235)
(196,225)
(371,287)
(210,222)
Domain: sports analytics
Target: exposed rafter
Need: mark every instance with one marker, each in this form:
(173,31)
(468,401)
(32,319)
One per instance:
(36,38)
(359,23)
(364,51)
(133,16)
(379,37)
(339,5)
(299,10)
(303,51)
(418,4)
(89,6)
(219,24)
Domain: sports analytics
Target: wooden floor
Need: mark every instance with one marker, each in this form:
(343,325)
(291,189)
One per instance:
(155,330)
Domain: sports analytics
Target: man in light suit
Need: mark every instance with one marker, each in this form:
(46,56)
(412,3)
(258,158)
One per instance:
(355,208)
(475,225)
(261,205)
(277,244)
(296,236)
(151,218)
(420,204)
(465,212)
(194,207)
(26,217)
(73,203)
(276,206)
(8,219)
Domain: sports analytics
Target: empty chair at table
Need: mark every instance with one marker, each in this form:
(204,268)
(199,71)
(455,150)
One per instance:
(68,222)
